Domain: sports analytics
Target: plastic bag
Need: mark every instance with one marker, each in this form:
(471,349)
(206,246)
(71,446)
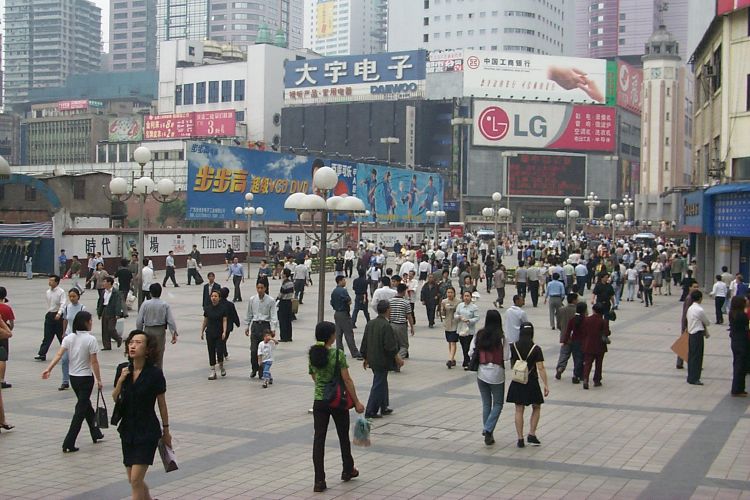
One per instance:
(361,432)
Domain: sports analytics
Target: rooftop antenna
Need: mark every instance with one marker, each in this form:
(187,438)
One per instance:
(661,9)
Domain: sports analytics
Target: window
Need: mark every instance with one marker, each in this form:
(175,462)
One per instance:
(426,4)
(120,46)
(213,91)
(200,93)
(716,61)
(121,15)
(622,16)
(470,32)
(622,29)
(239,90)
(666,141)
(119,57)
(666,115)
(425,37)
(178,95)
(459,16)
(187,93)
(459,33)
(120,36)
(239,116)
(121,5)
(30,194)
(436,35)
(79,189)
(226,90)
(120,26)
(668,91)
(666,165)
(426,21)
(621,41)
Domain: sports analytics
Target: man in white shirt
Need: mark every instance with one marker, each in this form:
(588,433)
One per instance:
(53,323)
(406,267)
(261,316)
(514,317)
(301,276)
(719,293)
(385,292)
(147,277)
(581,272)
(169,274)
(349,261)
(697,326)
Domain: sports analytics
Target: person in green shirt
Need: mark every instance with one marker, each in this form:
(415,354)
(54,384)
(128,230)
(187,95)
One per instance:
(322,364)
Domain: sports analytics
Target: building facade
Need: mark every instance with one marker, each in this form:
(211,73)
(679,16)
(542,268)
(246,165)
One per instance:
(239,23)
(47,41)
(10,138)
(505,25)
(341,27)
(132,35)
(182,19)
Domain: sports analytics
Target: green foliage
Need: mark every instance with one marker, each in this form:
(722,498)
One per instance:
(176,210)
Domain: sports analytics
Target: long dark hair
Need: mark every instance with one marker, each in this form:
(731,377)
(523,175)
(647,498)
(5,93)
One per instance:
(80,322)
(491,336)
(525,337)
(737,306)
(319,353)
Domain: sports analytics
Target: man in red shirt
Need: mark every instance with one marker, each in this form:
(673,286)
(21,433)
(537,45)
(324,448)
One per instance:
(6,314)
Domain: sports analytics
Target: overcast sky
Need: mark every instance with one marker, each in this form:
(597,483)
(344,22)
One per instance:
(103,4)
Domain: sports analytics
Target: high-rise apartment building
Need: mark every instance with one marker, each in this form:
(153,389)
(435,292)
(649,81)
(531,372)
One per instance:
(47,40)
(230,21)
(530,26)
(132,34)
(612,28)
(338,27)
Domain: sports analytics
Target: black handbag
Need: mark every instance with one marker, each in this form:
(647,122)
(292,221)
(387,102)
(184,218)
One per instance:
(102,419)
(474,361)
(335,393)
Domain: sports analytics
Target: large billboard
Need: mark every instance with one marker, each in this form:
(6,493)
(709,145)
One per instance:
(219,176)
(324,17)
(575,127)
(537,175)
(508,75)
(125,129)
(445,61)
(629,87)
(194,124)
(370,77)
(727,6)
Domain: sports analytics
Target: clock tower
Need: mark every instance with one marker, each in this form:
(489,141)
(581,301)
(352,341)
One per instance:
(662,129)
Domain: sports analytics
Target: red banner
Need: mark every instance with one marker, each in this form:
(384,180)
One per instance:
(546,175)
(727,6)
(186,125)
(591,128)
(629,87)
(71,105)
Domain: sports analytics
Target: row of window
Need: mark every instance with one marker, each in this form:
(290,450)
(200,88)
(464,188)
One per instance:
(124,36)
(238,5)
(237,16)
(124,5)
(195,93)
(124,15)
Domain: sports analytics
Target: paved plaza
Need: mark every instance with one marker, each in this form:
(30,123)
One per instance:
(645,434)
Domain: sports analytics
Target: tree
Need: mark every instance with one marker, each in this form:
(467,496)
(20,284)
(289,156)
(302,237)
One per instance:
(176,210)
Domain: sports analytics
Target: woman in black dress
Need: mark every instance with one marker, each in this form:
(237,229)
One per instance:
(233,319)
(738,331)
(286,294)
(523,395)
(140,384)
(214,330)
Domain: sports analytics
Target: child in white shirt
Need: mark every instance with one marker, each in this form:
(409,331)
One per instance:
(265,356)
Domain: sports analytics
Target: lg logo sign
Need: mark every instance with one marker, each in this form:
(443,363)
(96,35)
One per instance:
(494,124)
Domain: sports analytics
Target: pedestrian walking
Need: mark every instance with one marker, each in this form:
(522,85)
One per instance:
(301,276)
(265,357)
(360,288)
(5,335)
(467,315)
(108,309)
(28,259)
(209,287)
(341,303)
(450,323)
(237,272)
(594,344)
(192,270)
(62,263)
(322,367)
(8,318)
(214,330)
(154,317)
(555,293)
(719,293)
(233,318)
(56,298)
(72,307)
(647,286)
(147,279)
(697,326)
(430,298)
(82,348)
(140,384)
(261,316)
(285,309)
(349,262)
(739,333)
(97,279)
(124,280)
(491,372)
(530,393)
(571,344)
(401,320)
(380,352)
(564,315)
(520,279)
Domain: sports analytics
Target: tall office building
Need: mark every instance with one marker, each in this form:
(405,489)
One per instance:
(612,28)
(47,40)
(182,19)
(338,27)
(506,25)
(132,35)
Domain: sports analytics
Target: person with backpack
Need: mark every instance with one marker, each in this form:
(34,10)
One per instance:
(527,361)
(594,344)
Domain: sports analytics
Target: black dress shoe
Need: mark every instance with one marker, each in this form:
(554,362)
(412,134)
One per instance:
(387,411)
(63,387)
(253,373)
(320,486)
(40,358)
(5,385)
(98,437)
(69,449)
(348,476)
(374,415)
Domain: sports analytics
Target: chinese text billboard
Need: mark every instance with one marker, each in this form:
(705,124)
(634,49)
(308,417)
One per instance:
(546,175)
(576,127)
(195,124)
(370,77)
(219,176)
(126,129)
(507,75)
(324,18)
(629,87)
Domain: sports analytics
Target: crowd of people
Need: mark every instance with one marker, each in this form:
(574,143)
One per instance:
(445,277)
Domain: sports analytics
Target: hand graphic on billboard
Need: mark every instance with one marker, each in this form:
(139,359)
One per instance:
(573,78)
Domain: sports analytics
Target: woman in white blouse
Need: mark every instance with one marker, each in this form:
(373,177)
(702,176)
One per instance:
(467,315)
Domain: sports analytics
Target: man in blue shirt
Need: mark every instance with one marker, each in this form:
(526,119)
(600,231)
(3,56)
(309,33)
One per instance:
(62,260)
(555,294)
(237,273)
(341,302)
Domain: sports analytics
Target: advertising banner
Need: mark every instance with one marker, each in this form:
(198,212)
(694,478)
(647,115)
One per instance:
(508,75)
(629,87)
(194,124)
(78,104)
(727,6)
(324,18)
(692,212)
(219,176)
(546,175)
(550,126)
(125,129)
(392,75)
(442,61)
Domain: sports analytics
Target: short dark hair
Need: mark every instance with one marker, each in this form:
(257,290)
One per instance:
(696,295)
(55,277)
(80,321)
(383,306)
(340,278)
(224,293)
(3,293)
(572,297)
(211,274)
(152,348)
(123,262)
(402,287)
(109,279)
(155,290)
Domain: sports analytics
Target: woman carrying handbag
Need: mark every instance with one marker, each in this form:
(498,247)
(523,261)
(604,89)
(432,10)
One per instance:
(81,347)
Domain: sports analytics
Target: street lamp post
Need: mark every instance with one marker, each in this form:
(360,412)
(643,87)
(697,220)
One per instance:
(324,180)
(359,218)
(591,201)
(141,187)
(389,141)
(565,214)
(496,198)
(461,122)
(494,213)
(248,210)
(435,215)
(626,204)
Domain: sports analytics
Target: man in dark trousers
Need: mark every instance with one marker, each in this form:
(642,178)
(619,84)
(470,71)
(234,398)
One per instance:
(125,279)
(683,320)
(341,303)
(564,315)
(169,274)
(109,309)
(430,297)
(380,351)
(360,287)
(210,286)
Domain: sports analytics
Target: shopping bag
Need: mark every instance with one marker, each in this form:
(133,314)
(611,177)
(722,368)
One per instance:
(681,345)
(102,419)
(362,431)
(198,278)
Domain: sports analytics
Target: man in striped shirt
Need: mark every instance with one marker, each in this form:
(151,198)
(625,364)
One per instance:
(401,320)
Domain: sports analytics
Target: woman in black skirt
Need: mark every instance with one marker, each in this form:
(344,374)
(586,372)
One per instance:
(529,393)
(140,384)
